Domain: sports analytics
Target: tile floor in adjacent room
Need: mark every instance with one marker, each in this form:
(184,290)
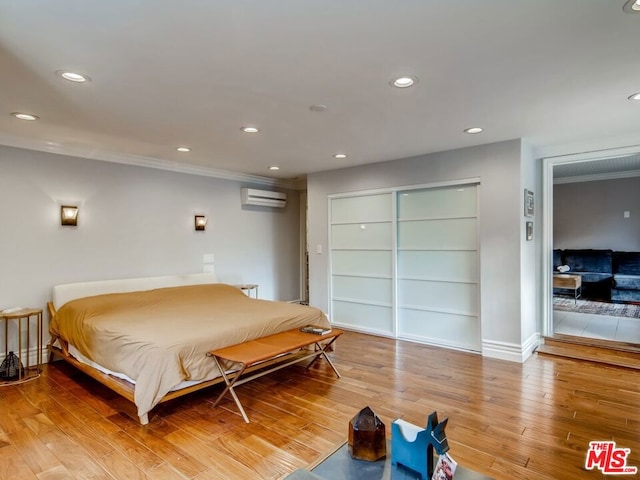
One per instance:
(602,327)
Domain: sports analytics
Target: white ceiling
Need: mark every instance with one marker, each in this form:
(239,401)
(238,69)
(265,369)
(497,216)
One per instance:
(167,73)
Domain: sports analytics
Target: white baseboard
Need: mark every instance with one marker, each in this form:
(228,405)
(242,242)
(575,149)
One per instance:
(33,356)
(510,351)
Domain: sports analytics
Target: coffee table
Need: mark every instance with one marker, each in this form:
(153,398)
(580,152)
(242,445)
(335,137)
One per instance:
(566,281)
(340,466)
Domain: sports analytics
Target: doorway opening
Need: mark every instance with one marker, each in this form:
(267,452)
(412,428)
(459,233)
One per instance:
(591,247)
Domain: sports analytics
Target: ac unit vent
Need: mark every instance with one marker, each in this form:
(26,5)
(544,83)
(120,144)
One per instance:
(263,198)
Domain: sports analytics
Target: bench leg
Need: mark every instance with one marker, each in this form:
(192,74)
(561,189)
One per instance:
(229,388)
(322,352)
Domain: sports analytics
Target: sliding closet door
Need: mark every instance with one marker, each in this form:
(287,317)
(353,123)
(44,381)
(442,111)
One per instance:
(437,266)
(362,262)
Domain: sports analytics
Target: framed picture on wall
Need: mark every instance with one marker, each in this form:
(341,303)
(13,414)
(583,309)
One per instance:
(528,203)
(529,230)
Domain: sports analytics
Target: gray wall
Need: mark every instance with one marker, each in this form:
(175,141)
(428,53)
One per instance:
(590,214)
(531,257)
(498,166)
(133,222)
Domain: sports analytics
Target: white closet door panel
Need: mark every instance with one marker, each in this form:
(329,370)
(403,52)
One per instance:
(441,328)
(367,208)
(362,262)
(362,289)
(366,317)
(453,234)
(438,203)
(461,265)
(362,236)
(442,296)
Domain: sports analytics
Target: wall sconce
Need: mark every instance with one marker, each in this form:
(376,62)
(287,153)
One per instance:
(200,222)
(69,215)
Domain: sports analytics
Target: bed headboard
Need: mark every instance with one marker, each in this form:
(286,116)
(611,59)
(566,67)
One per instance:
(70,291)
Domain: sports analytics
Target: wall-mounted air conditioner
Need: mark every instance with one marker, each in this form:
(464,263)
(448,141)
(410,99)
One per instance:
(263,198)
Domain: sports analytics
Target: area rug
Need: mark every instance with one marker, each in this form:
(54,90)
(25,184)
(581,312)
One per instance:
(596,308)
(340,466)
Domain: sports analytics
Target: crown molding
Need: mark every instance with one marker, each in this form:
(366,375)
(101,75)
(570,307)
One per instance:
(149,162)
(596,177)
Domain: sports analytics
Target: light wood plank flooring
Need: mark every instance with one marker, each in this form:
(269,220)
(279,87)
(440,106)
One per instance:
(507,420)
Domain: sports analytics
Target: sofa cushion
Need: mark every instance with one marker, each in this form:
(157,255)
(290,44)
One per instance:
(589,260)
(593,277)
(557,258)
(626,282)
(619,295)
(627,263)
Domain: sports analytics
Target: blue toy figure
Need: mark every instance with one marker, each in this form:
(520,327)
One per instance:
(412,446)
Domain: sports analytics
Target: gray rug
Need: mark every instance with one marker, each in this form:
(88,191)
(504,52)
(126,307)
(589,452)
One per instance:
(340,466)
(597,308)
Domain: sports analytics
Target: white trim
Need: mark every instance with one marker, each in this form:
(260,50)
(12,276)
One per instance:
(547,220)
(510,351)
(598,147)
(373,303)
(361,329)
(547,246)
(395,317)
(386,190)
(439,343)
(149,162)
(304,245)
(33,354)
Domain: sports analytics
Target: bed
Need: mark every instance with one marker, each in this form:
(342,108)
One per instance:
(148,338)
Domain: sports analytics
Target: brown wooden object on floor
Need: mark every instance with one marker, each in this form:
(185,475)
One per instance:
(530,421)
(255,352)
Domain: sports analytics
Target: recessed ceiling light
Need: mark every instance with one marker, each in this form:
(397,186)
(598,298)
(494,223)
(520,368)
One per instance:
(73,77)
(473,130)
(274,167)
(632,6)
(635,96)
(318,108)
(183,149)
(404,81)
(340,155)
(250,129)
(25,116)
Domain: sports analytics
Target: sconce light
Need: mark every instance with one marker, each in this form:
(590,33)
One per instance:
(200,222)
(69,215)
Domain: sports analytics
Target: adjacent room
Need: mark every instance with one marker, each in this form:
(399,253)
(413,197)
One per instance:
(604,303)
(322,239)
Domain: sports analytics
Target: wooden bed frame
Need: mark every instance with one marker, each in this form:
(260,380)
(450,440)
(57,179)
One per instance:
(64,293)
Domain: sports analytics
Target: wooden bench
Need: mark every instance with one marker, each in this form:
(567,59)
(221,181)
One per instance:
(263,349)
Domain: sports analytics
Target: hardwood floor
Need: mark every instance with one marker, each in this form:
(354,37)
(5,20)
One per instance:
(506,420)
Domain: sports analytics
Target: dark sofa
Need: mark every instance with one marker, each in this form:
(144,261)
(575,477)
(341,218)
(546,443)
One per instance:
(626,277)
(606,275)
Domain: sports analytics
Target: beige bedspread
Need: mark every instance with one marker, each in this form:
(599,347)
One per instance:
(161,337)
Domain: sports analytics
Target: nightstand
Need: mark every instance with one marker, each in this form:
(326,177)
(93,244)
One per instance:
(22,316)
(247,288)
